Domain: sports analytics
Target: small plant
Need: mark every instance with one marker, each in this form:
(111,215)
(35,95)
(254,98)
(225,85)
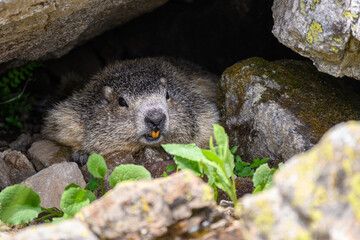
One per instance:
(217,163)
(169,168)
(245,169)
(20,204)
(13,99)
(263,178)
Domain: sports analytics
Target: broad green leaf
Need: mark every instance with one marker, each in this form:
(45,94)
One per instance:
(213,157)
(211,145)
(74,199)
(220,135)
(170,167)
(263,177)
(128,172)
(257,189)
(96,165)
(59,219)
(93,184)
(184,163)
(190,151)
(19,204)
(90,195)
(71,185)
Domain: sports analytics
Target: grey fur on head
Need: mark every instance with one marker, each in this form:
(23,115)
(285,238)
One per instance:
(137,103)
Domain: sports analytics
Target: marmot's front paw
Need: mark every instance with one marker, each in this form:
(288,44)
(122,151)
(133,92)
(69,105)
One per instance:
(80,158)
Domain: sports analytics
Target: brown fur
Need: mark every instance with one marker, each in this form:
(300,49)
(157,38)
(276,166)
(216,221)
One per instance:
(93,120)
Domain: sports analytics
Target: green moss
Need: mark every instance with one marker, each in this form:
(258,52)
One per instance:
(313,97)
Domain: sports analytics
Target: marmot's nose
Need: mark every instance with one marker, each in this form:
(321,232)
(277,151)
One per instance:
(155,120)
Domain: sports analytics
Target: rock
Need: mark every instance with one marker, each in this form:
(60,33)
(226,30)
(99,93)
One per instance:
(327,32)
(50,183)
(4,173)
(281,108)
(44,153)
(316,195)
(17,169)
(151,209)
(71,229)
(46,29)
(232,232)
(22,142)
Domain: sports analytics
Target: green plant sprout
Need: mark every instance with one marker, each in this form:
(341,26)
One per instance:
(20,204)
(217,163)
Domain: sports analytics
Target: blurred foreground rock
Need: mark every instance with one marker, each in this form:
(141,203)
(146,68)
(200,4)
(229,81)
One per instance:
(180,206)
(278,109)
(327,32)
(316,195)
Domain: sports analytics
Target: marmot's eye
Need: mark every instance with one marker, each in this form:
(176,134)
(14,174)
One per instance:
(122,102)
(167,95)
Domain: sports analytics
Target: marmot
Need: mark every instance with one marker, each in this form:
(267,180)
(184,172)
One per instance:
(137,103)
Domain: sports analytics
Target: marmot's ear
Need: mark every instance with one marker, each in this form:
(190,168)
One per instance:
(108,93)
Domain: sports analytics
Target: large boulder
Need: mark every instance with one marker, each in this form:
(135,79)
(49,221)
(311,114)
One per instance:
(281,108)
(38,29)
(316,195)
(327,32)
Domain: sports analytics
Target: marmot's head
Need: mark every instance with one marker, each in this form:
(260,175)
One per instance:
(141,106)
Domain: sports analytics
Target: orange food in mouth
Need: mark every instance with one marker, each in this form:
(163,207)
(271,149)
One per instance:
(155,134)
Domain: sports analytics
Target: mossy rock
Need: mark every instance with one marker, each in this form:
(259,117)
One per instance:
(316,101)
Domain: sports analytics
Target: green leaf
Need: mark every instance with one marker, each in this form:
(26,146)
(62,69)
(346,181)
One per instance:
(220,135)
(184,163)
(96,165)
(233,149)
(59,219)
(74,199)
(5,80)
(19,204)
(93,184)
(263,177)
(170,167)
(71,185)
(189,151)
(128,172)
